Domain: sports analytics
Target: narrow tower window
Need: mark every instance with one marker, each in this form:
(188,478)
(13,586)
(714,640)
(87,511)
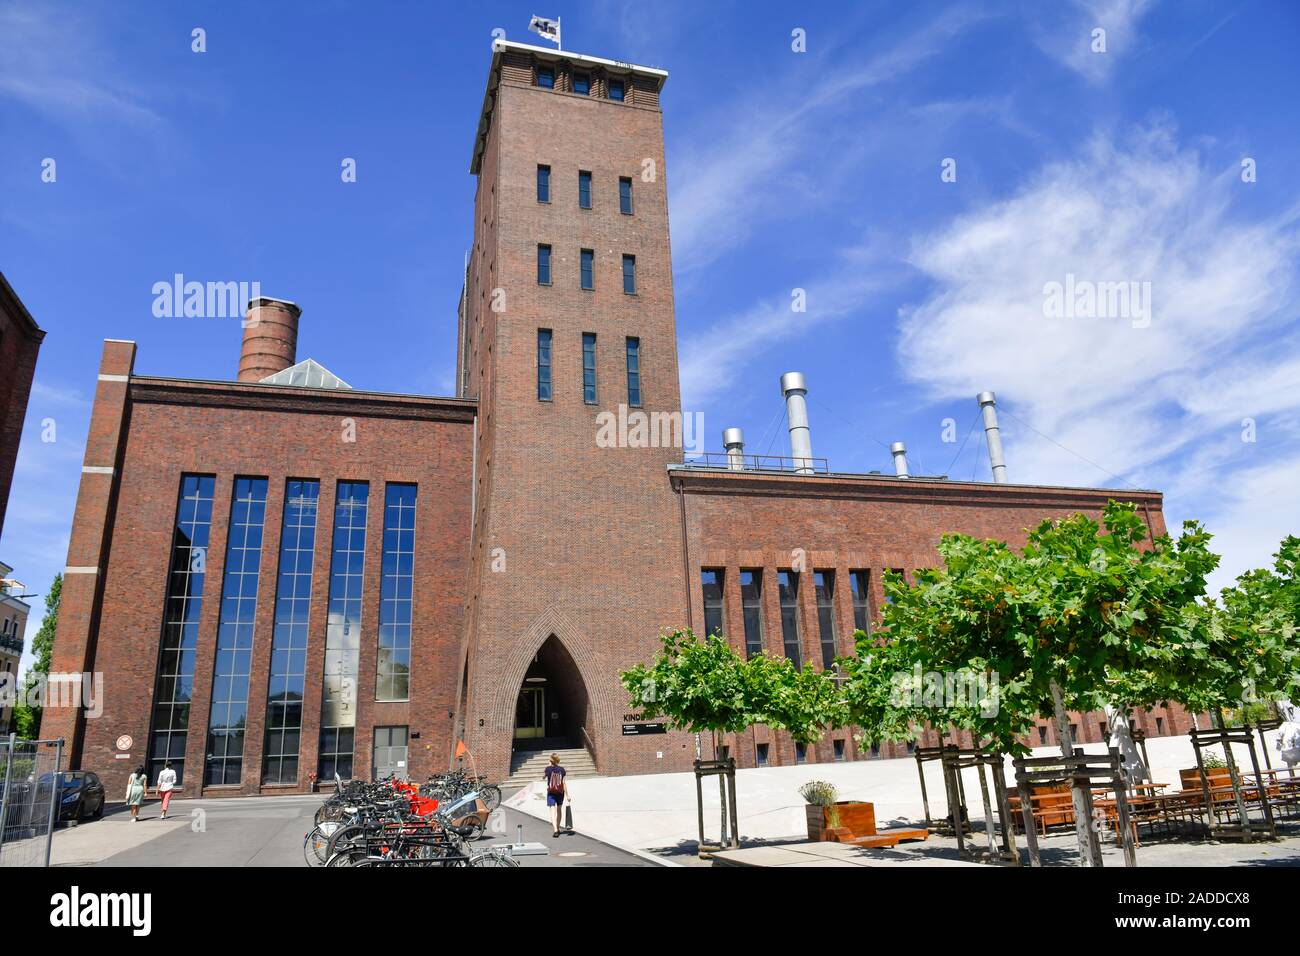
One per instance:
(629,275)
(543,183)
(633,371)
(625,195)
(589,367)
(543,365)
(543,265)
(584,189)
(588,266)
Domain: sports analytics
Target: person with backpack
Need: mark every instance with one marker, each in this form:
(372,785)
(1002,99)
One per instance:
(556,791)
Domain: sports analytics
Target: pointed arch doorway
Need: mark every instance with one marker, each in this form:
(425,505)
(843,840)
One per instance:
(553,708)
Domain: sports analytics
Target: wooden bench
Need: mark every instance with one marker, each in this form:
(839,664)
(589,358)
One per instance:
(891,837)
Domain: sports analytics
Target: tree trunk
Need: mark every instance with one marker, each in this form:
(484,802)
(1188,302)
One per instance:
(1089,851)
(1233,777)
(1122,739)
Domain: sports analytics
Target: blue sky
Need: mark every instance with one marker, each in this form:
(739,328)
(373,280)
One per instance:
(817,170)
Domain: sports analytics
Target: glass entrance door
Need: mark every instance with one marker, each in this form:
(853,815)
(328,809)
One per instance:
(530,713)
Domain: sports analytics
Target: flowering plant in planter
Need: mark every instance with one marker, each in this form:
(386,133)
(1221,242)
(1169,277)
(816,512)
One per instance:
(821,793)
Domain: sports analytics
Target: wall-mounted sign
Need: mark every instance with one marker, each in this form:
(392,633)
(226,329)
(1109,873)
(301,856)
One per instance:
(124,742)
(636,730)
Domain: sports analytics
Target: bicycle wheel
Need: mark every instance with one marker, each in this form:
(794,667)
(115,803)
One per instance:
(346,837)
(491,796)
(350,856)
(315,846)
(493,859)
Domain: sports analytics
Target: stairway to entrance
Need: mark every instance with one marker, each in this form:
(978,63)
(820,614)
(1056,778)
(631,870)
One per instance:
(526,766)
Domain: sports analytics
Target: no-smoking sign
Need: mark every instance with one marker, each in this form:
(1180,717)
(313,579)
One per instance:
(124,742)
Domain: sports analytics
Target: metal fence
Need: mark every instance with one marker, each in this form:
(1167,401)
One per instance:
(29,796)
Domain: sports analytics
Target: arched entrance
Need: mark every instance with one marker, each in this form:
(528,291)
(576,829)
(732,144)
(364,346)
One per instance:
(553,709)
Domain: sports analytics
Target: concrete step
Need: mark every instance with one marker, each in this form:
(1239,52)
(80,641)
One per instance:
(528,766)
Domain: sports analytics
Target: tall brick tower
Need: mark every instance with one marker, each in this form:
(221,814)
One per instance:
(567,314)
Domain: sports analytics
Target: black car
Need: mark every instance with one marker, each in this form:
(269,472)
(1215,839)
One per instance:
(81,795)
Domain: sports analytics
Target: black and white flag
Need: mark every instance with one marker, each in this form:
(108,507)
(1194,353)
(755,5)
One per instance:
(546,28)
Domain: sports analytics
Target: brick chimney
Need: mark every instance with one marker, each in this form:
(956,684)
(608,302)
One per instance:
(270,338)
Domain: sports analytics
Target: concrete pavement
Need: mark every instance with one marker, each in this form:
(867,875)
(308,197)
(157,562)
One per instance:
(269,831)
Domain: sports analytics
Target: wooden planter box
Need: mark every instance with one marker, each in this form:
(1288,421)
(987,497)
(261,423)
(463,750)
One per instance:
(1217,776)
(856,820)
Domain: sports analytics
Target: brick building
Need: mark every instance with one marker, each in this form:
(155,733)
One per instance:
(283,576)
(20,341)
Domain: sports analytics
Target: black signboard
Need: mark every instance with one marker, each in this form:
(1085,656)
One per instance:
(636,730)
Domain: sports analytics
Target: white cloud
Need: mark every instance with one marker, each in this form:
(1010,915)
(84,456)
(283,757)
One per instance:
(1161,406)
(750,149)
(1069,39)
(52,61)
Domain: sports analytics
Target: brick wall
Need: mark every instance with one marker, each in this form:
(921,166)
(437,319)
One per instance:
(20,341)
(277,432)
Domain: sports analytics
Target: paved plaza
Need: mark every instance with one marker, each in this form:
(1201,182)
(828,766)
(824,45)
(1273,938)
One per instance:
(269,831)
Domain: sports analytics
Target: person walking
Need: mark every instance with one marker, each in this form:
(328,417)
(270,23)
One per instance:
(135,787)
(556,791)
(166,784)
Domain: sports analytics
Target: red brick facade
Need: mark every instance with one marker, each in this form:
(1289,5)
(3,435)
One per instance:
(20,341)
(540,552)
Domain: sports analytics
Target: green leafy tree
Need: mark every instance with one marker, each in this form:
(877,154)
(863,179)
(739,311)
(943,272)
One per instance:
(27,719)
(1077,620)
(704,686)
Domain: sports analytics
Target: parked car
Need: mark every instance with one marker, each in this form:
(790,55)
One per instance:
(81,795)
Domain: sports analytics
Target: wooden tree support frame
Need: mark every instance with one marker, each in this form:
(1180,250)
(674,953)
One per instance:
(956,759)
(1080,772)
(941,825)
(725,771)
(1244,829)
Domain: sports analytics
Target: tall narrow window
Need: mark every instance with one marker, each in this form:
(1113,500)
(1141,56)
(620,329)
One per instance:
(711,581)
(393,671)
(546,77)
(859,582)
(338,717)
(543,265)
(625,195)
(243,570)
(543,183)
(788,583)
(582,83)
(587,275)
(584,189)
(751,604)
(633,372)
(616,90)
(629,275)
(824,581)
(589,367)
(543,365)
(760,755)
(189,561)
(287,681)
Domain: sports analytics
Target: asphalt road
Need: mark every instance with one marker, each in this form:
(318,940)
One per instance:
(269,831)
